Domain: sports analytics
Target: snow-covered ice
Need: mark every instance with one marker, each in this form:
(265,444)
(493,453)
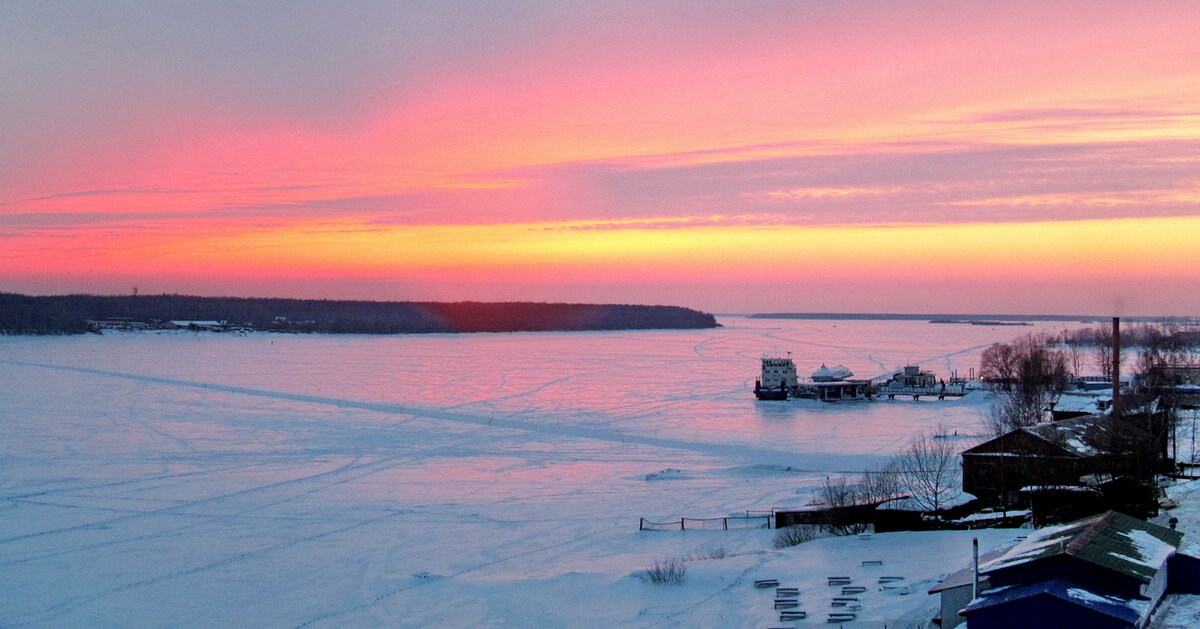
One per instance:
(444,480)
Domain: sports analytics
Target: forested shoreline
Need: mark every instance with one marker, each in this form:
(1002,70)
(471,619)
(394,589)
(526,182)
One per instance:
(79,314)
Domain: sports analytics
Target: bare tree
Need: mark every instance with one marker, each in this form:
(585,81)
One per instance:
(840,496)
(1161,349)
(879,485)
(928,471)
(1040,368)
(1012,410)
(999,363)
(1075,359)
(1038,374)
(1102,352)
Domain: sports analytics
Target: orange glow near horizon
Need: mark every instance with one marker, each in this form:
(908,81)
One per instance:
(554,251)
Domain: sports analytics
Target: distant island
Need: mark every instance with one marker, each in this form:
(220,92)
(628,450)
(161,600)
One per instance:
(982,319)
(979,322)
(78,314)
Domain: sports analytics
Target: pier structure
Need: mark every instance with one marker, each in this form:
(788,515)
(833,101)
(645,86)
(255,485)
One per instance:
(779,381)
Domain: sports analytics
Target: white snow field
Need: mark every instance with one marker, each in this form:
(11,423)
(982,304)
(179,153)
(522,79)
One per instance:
(484,480)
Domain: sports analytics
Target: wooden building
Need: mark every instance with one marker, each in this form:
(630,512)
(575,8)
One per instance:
(826,515)
(1179,385)
(907,514)
(1056,453)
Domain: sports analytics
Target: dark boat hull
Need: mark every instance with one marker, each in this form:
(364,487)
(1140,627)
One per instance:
(771,394)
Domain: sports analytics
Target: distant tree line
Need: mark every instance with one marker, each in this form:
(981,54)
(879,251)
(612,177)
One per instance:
(1032,371)
(1175,332)
(70,314)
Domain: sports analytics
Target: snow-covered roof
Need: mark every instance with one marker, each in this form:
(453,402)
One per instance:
(953,497)
(1084,437)
(1102,402)
(1064,488)
(1111,540)
(1082,402)
(819,505)
(1124,609)
(967,575)
(841,372)
(995,515)
(1094,480)
(899,504)
(1078,436)
(1081,436)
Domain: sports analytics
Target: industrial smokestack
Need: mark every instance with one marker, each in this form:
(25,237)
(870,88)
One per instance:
(1116,367)
(975,584)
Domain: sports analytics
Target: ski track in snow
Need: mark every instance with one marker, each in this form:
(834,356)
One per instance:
(185,509)
(341,475)
(122,483)
(64,607)
(382,597)
(548,428)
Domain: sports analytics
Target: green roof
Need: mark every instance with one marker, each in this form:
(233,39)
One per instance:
(1111,540)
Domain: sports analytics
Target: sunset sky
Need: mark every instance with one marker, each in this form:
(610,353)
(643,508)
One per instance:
(807,156)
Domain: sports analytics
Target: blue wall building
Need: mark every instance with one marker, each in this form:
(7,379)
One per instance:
(1106,571)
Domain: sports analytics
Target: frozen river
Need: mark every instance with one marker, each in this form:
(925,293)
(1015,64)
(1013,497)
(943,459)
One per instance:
(184,479)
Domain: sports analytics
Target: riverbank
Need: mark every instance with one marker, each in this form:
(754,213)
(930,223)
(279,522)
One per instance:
(78,314)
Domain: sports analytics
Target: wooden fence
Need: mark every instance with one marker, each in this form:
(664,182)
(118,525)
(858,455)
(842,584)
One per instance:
(751,519)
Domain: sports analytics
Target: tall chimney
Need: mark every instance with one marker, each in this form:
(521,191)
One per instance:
(1116,367)
(975,584)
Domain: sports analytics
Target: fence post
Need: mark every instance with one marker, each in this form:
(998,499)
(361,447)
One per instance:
(682,524)
(725,521)
(640,524)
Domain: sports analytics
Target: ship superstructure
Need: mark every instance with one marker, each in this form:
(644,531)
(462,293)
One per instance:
(778,371)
